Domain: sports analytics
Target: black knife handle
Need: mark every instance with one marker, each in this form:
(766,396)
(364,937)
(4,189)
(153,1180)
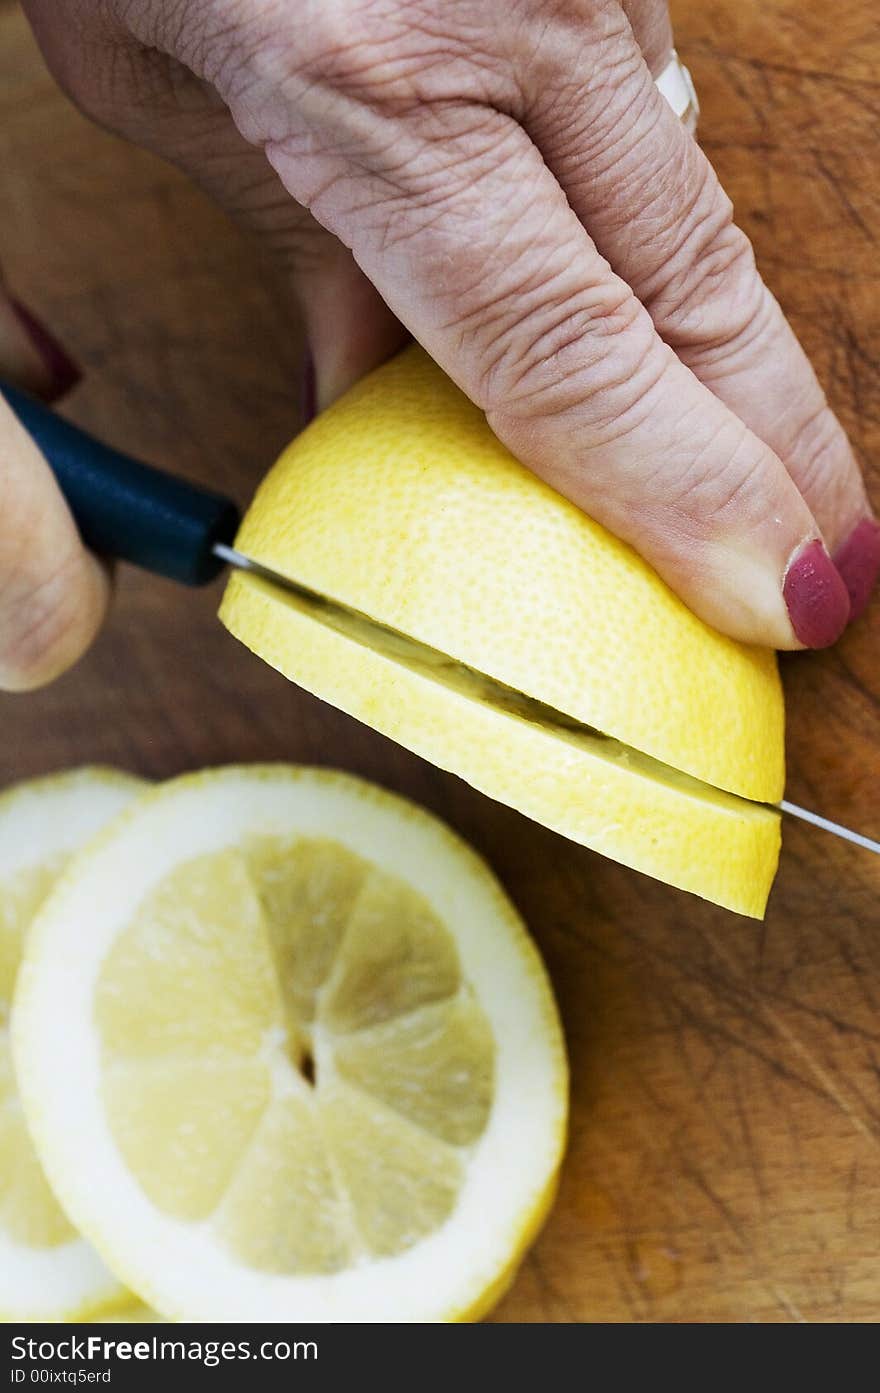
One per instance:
(127,509)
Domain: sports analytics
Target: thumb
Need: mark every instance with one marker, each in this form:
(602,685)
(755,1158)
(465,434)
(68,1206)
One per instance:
(53,593)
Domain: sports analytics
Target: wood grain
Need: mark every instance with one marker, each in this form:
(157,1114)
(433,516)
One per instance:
(726,1101)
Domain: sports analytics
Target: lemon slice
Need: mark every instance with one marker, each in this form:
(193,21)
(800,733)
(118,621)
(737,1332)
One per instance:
(605,709)
(47,1272)
(134,1314)
(301,1035)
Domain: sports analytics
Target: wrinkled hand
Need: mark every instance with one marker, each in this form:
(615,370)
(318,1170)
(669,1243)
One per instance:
(504,182)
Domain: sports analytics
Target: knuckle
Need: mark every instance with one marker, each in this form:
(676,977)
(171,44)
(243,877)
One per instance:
(400,56)
(350,63)
(708,293)
(341,48)
(440,194)
(595,114)
(548,350)
(615,79)
(547,34)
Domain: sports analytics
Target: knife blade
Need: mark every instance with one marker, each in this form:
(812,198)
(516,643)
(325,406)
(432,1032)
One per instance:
(133,512)
(470,682)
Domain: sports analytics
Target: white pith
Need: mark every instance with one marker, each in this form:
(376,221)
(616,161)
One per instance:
(40,821)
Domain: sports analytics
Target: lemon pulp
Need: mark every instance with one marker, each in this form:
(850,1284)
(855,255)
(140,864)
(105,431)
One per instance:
(286,1021)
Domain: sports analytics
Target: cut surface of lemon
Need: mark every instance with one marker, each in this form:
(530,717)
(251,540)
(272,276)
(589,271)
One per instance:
(300,1033)
(400,502)
(47,1272)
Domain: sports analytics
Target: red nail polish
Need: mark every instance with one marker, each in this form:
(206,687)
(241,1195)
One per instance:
(858,561)
(816,597)
(309,400)
(63,371)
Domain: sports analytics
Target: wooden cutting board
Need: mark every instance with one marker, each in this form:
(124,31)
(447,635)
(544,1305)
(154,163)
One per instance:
(726,1075)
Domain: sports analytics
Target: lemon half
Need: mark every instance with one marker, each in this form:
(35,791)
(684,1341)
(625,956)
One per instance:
(400,502)
(300,1035)
(47,1272)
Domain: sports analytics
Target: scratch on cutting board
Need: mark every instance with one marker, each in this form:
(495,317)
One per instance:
(778,1293)
(788,1305)
(820,1074)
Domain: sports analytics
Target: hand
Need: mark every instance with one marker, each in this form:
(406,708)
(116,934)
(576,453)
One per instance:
(53,594)
(505,183)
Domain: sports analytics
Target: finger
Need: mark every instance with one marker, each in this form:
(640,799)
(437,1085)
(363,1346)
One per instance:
(53,594)
(450,211)
(474,246)
(350,330)
(655,209)
(652,28)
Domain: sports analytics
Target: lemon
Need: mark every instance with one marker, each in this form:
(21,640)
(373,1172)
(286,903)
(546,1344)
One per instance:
(47,1272)
(288,1053)
(400,502)
(134,1314)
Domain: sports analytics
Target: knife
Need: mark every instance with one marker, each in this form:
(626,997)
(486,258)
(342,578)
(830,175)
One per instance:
(133,512)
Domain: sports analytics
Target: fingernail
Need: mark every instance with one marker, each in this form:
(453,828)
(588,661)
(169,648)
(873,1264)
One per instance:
(63,372)
(816,597)
(309,398)
(858,561)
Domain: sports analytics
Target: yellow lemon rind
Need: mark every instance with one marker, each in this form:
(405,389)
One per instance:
(401,502)
(707,842)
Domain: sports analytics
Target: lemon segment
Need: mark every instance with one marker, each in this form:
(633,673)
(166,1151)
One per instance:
(306,900)
(312,1052)
(190,974)
(47,1272)
(401,502)
(284,1212)
(402,1183)
(433,1066)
